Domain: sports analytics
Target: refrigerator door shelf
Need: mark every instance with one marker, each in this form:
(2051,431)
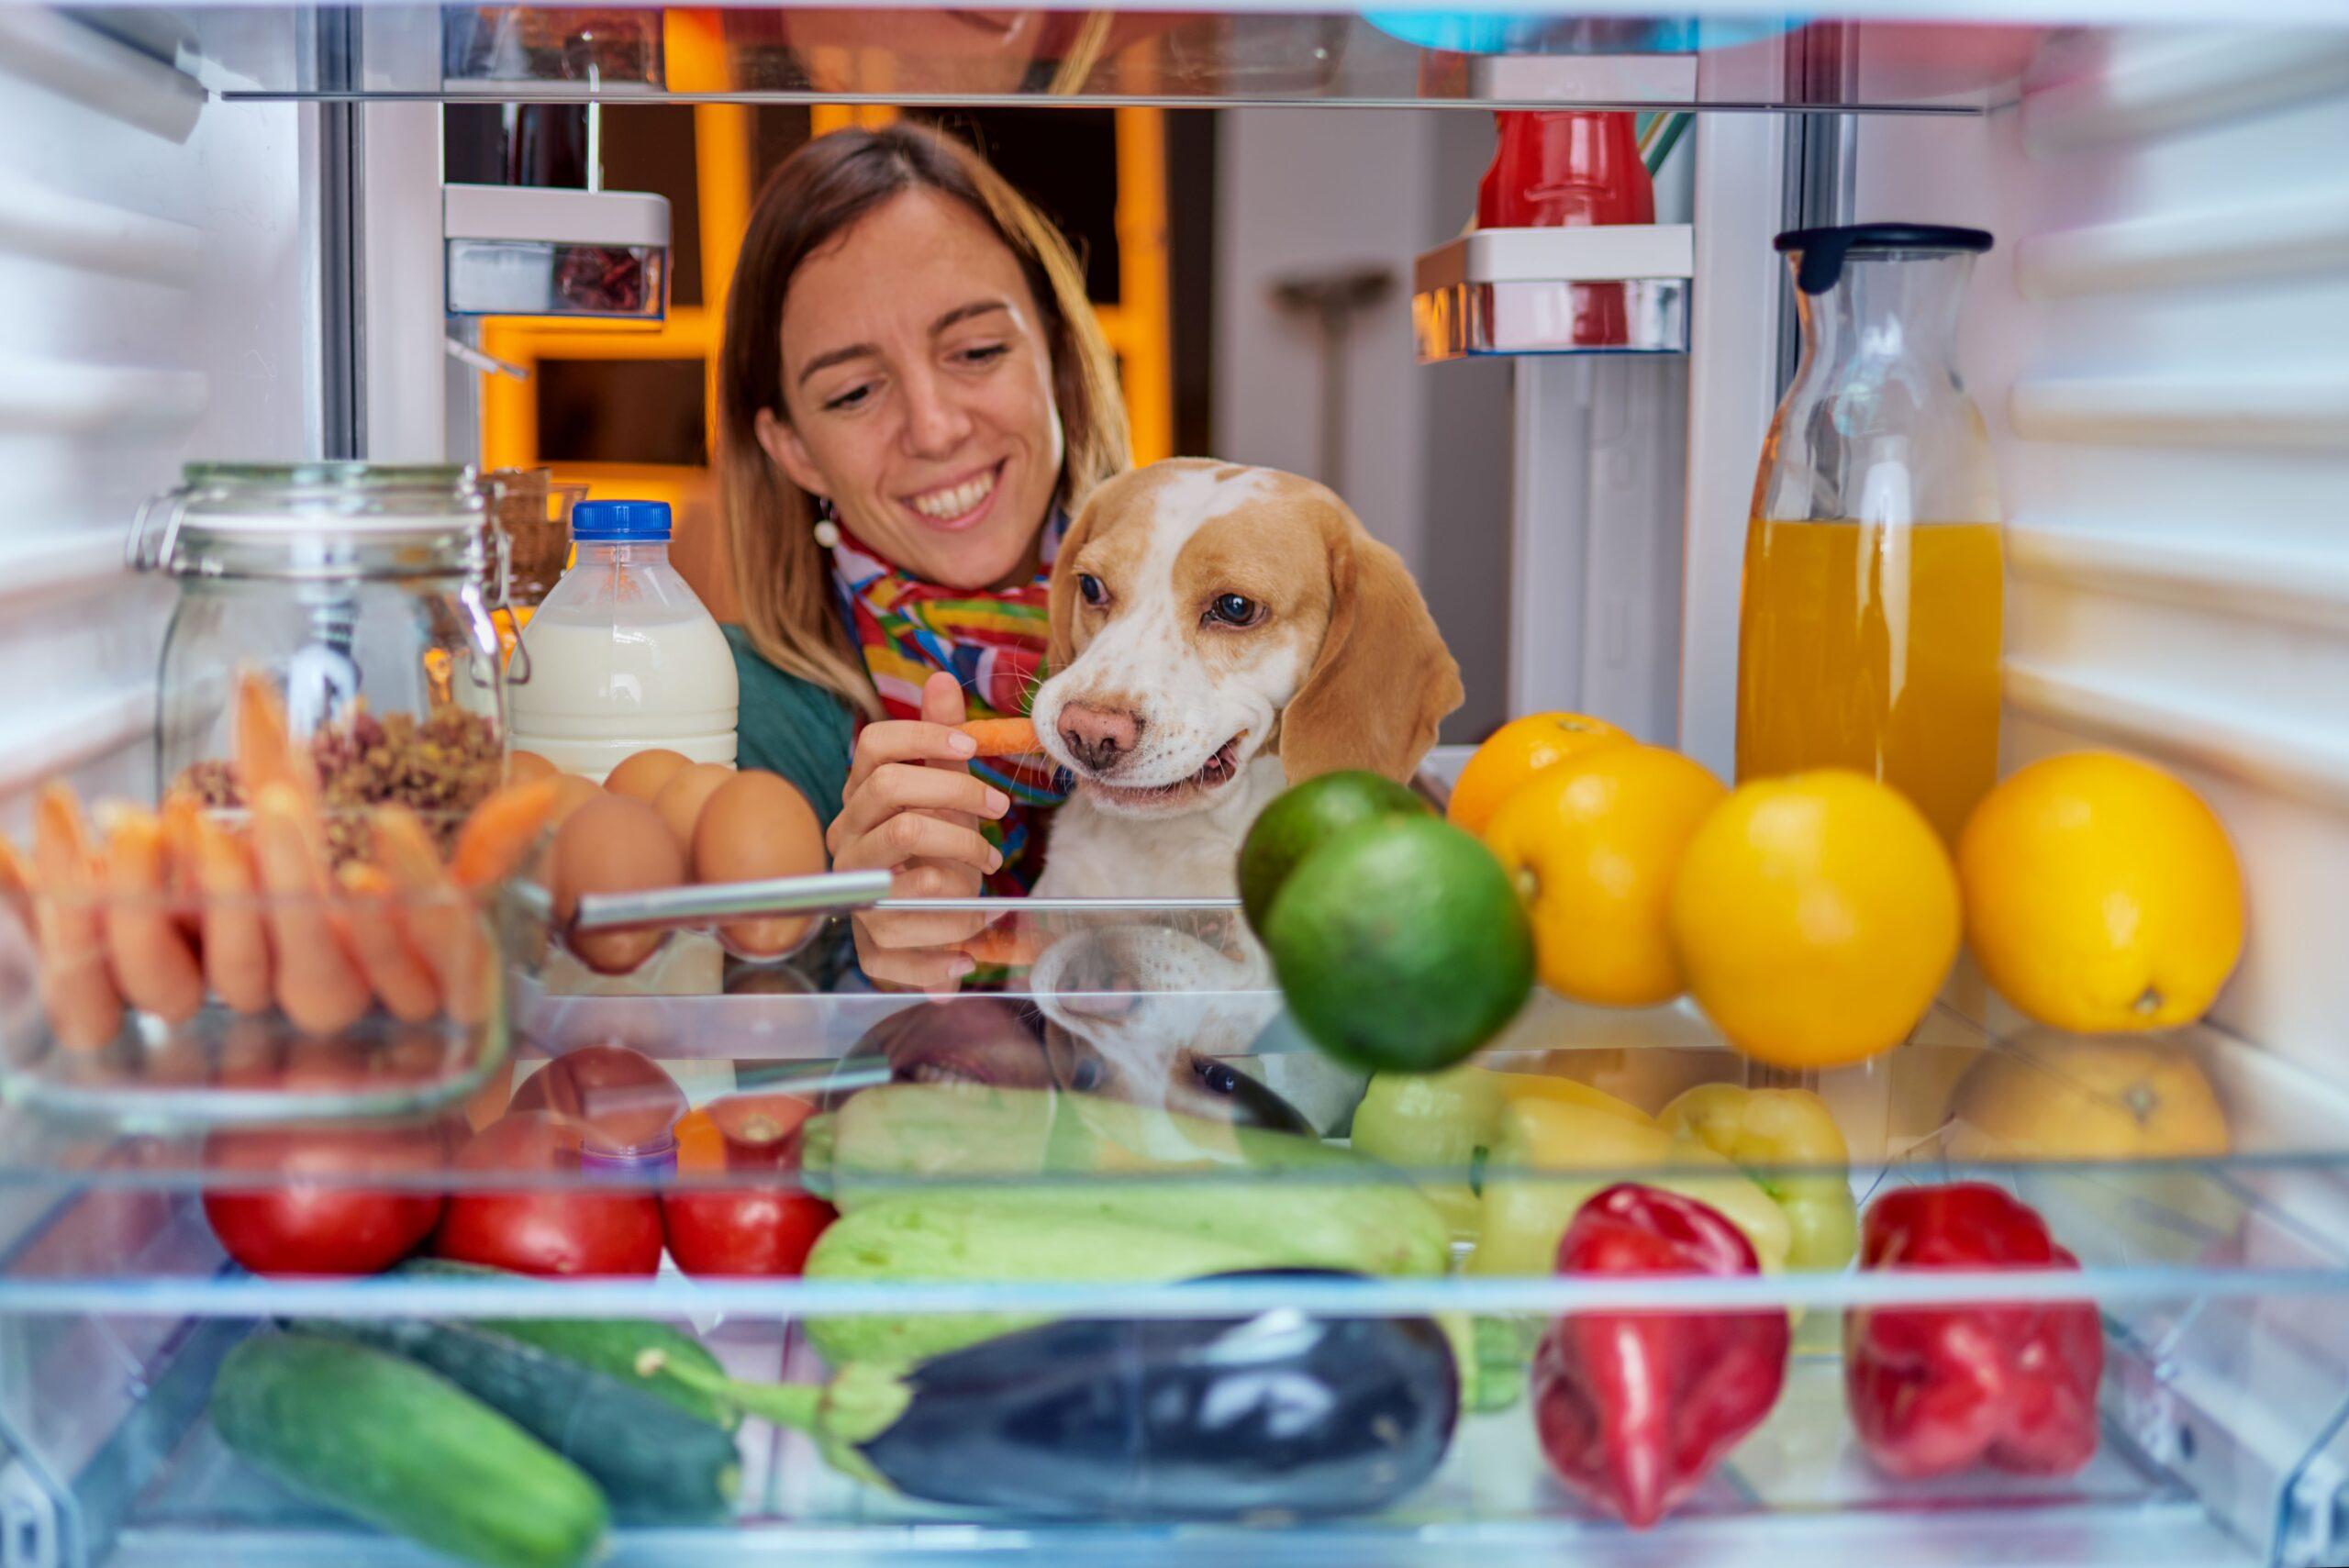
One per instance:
(1620,289)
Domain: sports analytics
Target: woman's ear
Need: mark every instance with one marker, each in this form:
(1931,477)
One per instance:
(1382,679)
(782,443)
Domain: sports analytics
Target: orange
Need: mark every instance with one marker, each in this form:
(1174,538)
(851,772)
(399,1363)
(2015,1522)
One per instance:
(1815,915)
(2101,894)
(2052,1097)
(1515,753)
(1592,844)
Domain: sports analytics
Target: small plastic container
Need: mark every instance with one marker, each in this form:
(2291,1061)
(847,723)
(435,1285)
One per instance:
(622,657)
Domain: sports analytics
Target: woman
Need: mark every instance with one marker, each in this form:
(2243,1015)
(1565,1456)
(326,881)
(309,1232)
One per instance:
(914,395)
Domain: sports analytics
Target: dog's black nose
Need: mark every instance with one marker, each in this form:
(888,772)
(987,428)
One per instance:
(1098,737)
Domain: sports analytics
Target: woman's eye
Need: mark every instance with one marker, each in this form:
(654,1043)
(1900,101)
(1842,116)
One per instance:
(1235,609)
(985,354)
(853,397)
(1091,587)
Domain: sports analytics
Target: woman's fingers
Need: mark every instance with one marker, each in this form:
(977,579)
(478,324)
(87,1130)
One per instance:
(900,786)
(906,740)
(910,835)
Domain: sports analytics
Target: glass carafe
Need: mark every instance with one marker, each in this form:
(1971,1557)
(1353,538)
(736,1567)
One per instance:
(1869,628)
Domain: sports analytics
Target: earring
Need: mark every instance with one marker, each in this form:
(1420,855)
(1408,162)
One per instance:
(828,527)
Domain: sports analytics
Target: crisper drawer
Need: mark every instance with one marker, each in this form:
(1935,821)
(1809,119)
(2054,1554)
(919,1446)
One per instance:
(1114,1278)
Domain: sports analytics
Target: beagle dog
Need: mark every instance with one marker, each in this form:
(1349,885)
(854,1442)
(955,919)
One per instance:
(1221,632)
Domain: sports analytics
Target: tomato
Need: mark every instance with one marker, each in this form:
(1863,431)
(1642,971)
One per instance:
(573,1228)
(747,1230)
(321,1221)
(626,1099)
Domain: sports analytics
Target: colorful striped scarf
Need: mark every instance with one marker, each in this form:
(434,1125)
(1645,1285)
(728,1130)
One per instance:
(991,642)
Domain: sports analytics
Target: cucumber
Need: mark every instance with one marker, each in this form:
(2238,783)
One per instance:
(655,1463)
(960,1237)
(387,1441)
(613,1346)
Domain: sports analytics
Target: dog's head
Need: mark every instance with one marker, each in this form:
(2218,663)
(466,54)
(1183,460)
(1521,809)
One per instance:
(1205,612)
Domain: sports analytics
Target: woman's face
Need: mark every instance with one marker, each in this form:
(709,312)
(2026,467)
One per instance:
(919,391)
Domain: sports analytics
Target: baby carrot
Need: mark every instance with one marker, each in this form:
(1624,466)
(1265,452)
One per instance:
(15,884)
(500,831)
(1002,737)
(394,971)
(319,987)
(153,962)
(441,923)
(235,944)
(265,750)
(83,1006)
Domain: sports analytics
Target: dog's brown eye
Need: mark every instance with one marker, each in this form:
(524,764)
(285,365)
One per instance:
(1235,609)
(1090,586)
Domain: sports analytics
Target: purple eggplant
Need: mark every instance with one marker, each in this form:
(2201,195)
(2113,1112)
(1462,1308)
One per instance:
(1164,1420)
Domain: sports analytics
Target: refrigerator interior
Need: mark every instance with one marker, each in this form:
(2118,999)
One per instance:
(208,223)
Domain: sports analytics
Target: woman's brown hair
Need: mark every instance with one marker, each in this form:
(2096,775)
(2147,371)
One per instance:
(817,192)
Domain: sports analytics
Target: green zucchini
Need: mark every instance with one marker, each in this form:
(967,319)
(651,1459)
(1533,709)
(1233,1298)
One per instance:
(1303,1202)
(383,1439)
(655,1463)
(613,1346)
(960,1238)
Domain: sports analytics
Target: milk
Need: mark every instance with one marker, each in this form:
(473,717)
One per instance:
(621,656)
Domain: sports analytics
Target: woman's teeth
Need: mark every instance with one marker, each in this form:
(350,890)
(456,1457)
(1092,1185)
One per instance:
(953,503)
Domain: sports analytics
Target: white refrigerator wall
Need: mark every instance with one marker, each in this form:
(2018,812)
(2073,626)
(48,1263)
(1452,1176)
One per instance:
(161,306)
(2159,342)
(1426,452)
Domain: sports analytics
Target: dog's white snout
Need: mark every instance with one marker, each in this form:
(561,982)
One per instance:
(1099,736)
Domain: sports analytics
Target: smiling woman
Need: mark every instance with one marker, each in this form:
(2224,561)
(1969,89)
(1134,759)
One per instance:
(914,394)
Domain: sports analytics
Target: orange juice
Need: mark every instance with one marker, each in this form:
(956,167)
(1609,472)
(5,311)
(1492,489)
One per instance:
(1873,647)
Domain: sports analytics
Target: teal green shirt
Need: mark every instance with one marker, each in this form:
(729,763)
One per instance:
(791,727)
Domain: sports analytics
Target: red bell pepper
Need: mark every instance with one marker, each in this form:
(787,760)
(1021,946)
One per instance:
(1635,1409)
(1934,1390)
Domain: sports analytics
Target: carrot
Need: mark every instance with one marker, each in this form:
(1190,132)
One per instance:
(152,961)
(398,976)
(83,1006)
(1002,737)
(16,885)
(235,945)
(1006,945)
(500,831)
(440,921)
(265,750)
(318,985)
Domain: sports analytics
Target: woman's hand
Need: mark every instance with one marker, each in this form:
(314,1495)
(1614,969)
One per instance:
(911,805)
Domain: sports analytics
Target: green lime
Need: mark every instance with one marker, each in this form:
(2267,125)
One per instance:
(1401,945)
(1313,812)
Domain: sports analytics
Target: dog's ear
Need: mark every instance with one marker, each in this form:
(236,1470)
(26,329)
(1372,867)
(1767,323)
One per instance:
(1059,596)
(1382,679)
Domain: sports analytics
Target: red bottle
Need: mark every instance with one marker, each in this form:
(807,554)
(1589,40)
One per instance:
(1558,169)
(1562,169)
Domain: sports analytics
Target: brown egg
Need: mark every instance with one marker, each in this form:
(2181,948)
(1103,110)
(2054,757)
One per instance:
(571,793)
(680,800)
(613,845)
(642,775)
(521,767)
(757,825)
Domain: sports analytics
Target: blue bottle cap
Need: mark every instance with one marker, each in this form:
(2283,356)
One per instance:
(620,522)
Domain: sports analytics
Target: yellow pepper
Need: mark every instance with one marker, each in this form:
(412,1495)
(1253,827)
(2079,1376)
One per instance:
(1787,1140)
(1527,1204)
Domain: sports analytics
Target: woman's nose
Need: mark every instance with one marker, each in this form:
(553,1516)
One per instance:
(935,423)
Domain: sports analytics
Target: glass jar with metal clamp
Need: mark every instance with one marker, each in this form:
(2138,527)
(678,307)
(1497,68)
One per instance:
(357,590)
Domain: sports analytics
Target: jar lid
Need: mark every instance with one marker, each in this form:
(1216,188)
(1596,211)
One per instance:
(1823,250)
(620,522)
(306,508)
